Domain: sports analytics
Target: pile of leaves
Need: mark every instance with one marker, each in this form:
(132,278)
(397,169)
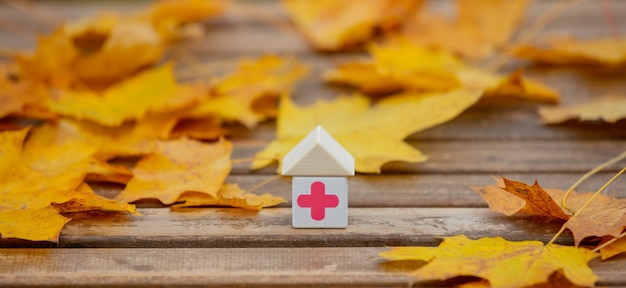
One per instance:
(96,90)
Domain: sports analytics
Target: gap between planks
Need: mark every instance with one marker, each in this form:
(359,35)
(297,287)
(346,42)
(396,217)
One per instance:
(230,227)
(492,157)
(411,190)
(260,267)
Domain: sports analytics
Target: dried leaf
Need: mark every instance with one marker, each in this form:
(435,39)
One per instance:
(538,201)
(96,51)
(406,67)
(102,171)
(16,95)
(179,166)
(373,135)
(228,195)
(610,109)
(604,216)
(208,128)
(41,224)
(243,95)
(167,16)
(599,52)
(38,173)
(481,27)
(614,249)
(335,25)
(85,199)
(503,263)
(154,90)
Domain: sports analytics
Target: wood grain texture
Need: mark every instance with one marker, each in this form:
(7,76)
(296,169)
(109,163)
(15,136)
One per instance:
(234,267)
(229,227)
(421,190)
(491,157)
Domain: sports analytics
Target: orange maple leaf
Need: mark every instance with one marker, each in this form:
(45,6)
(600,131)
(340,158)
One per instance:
(179,166)
(604,216)
(335,25)
(481,27)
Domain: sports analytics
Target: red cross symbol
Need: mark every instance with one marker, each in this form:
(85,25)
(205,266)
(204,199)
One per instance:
(318,201)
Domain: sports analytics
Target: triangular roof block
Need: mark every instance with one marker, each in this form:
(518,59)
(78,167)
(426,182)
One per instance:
(318,154)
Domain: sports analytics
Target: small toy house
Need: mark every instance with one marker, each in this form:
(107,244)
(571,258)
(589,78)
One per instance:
(319,166)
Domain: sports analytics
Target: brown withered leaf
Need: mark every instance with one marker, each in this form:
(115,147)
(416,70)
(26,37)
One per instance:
(604,216)
(538,201)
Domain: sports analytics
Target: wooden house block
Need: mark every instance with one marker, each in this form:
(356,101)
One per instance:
(319,165)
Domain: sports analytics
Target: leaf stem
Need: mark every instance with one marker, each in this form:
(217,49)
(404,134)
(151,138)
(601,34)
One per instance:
(528,34)
(264,182)
(587,203)
(587,175)
(247,160)
(607,243)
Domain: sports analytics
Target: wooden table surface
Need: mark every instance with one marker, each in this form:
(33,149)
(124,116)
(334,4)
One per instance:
(408,204)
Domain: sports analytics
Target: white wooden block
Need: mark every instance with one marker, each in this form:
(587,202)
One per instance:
(319,202)
(318,154)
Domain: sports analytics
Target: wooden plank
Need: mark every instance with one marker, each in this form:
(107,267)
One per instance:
(492,157)
(257,23)
(259,267)
(401,190)
(228,227)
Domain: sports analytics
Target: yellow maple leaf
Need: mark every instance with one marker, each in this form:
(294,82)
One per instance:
(373,135)
(100,170)
(42,224)
(228,195)
(208,128)
(609,109)
(167,16)
(154,90)
(406,67)
(503,263)
(85,199)
(601,52)
(21,98)
(614,249)
(178,166)
(481,27)
(94,51)
(335,25)
(40,172)
(244,94)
